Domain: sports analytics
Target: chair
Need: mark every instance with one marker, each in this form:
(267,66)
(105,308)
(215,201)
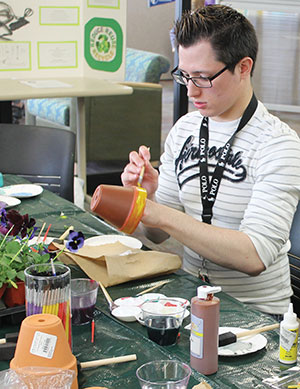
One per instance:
(42,155)
(294,259)
(141,67)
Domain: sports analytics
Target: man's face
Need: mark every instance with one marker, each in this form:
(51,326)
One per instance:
(221,102)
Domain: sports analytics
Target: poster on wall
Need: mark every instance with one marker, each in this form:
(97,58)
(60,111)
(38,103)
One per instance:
(82,37)
(103,46)
(11,22)
(153,3)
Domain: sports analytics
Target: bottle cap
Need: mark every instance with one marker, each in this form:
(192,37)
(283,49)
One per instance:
(290,315)
(204,290)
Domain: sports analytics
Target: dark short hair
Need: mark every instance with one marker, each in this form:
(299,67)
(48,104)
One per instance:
(230,33)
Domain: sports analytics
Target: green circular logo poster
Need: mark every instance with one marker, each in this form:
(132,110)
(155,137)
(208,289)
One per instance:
(103,44)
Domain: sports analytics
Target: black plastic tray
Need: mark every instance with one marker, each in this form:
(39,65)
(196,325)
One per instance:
(13,316)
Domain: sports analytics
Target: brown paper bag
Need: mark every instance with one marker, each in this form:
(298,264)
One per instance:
(115,263)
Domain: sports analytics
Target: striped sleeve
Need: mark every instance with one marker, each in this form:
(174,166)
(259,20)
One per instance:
(275,193)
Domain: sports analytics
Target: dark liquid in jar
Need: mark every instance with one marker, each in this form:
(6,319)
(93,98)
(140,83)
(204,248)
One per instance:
(163,330)
(82,315)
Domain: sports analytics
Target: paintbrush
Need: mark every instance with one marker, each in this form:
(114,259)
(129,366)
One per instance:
(60,240)
(230,337)
(46,233)
(142,172)
(110,301)
(141,176)
(157,285)
(40,233)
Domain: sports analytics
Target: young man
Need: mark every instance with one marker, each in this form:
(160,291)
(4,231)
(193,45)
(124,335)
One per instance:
(229,180)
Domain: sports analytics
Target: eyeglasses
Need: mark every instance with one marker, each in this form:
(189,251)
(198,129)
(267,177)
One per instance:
(200,82)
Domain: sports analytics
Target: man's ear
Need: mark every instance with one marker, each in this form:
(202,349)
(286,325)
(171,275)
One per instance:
(245,67)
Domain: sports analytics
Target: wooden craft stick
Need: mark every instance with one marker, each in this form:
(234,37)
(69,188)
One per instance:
(107,296)
(40,233)
(108,361)
(66,233)
(160,283)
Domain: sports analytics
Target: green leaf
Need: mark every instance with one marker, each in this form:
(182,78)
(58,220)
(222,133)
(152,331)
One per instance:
(21,275)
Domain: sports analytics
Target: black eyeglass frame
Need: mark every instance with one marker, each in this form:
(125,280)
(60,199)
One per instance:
(193,79)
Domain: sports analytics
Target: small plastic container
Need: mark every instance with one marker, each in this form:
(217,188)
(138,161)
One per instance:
(164,375)
(163,318)
(83,299)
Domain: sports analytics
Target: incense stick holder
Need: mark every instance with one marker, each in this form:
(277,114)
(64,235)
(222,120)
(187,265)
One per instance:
(121,206)
(48,290)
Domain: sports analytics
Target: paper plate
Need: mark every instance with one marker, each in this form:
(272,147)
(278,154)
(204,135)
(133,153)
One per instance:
(182,300)
(129,301)
(126,313)
(243,346)
(9,201)
(21,191)
(152,296)
(106,239)
(138,300)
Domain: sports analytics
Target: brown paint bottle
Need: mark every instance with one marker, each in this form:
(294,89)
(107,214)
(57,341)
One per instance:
(205,313)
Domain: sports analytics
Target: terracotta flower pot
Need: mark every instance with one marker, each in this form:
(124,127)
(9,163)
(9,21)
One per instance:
(2,290)
(13,297)
(121,206)
(42,342)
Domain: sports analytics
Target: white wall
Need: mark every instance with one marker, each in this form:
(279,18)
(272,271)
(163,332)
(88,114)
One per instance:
(148,28)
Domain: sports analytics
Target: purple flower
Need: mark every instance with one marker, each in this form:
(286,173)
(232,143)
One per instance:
(75,241)
(3,222)
(21,224)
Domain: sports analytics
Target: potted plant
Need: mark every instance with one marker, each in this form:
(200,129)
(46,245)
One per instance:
(16,253)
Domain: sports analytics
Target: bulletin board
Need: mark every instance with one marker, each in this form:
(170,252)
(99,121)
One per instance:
(57,38)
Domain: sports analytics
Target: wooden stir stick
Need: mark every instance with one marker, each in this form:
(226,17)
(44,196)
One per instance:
(107,296)
(157,285)
(108,361)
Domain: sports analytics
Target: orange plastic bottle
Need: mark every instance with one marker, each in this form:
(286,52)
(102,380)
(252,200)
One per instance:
(205,313)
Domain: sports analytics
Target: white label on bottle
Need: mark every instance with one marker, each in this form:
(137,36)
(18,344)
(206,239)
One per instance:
(196,336)
(43,345)
(287,338)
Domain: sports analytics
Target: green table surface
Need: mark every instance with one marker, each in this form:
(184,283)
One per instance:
(116,338)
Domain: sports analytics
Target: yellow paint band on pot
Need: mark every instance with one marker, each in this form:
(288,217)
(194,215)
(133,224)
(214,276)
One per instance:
(136,211)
